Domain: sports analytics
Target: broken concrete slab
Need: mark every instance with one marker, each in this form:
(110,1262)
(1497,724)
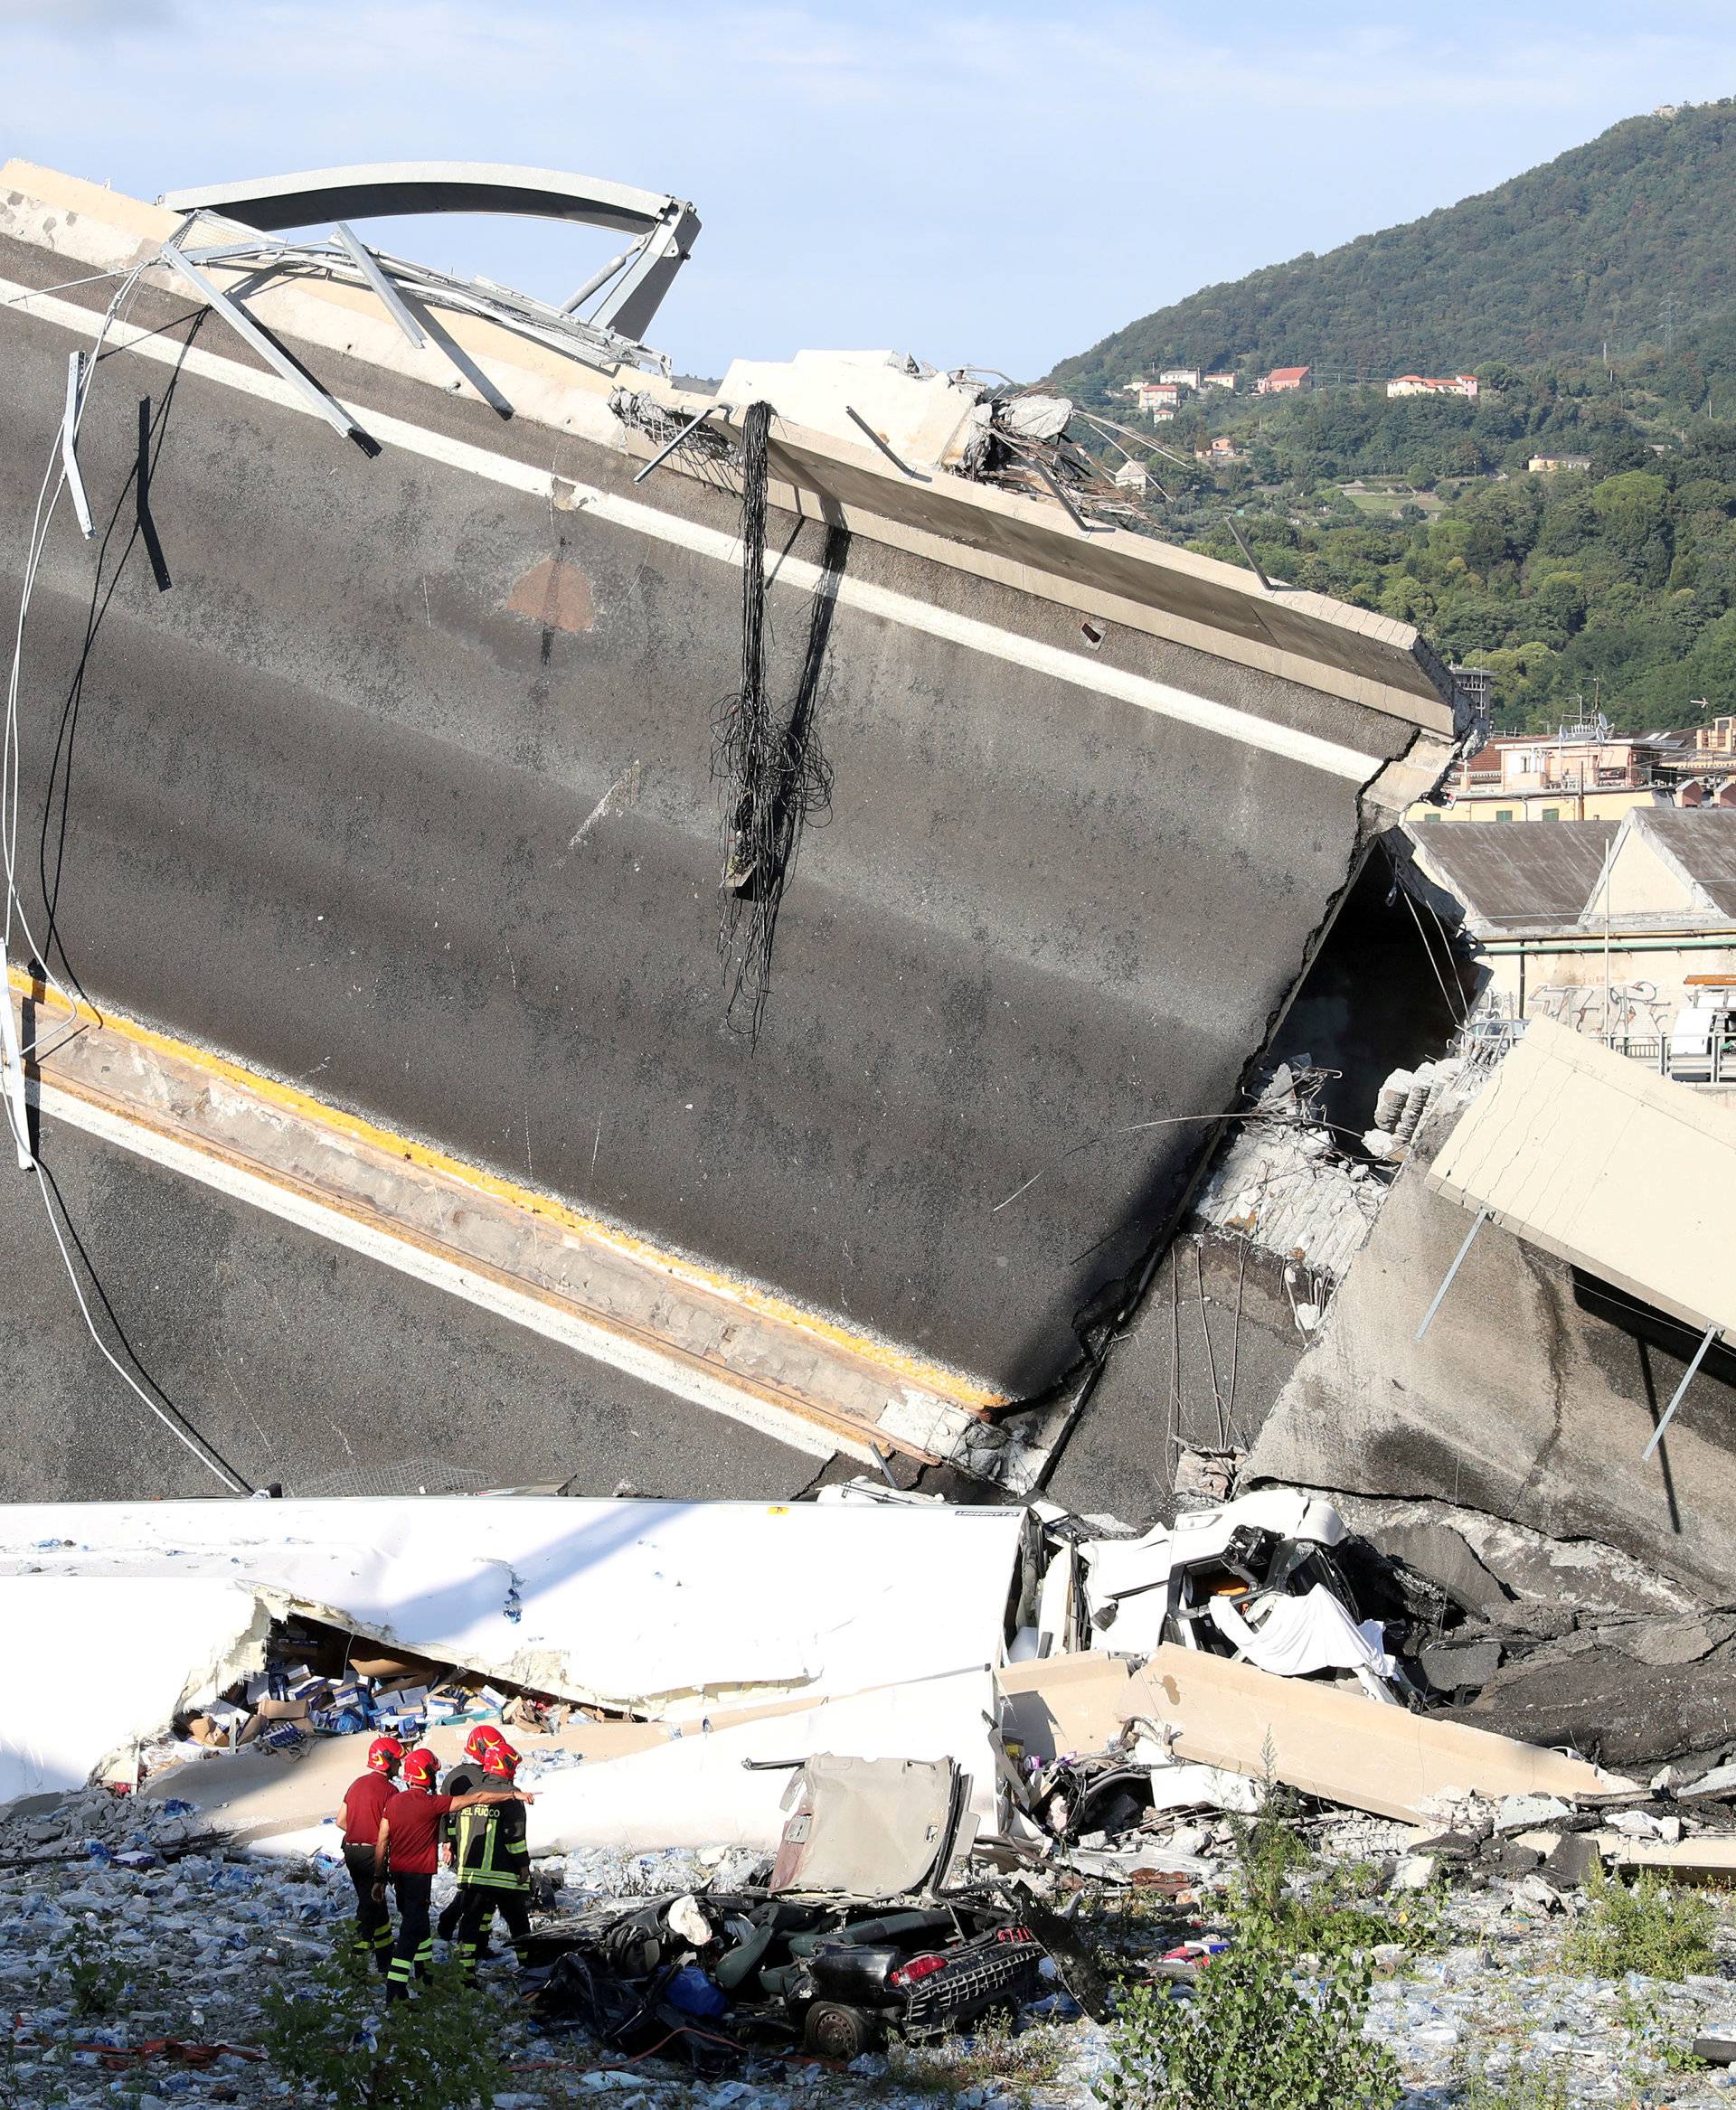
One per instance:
(1520,1401)
(1719,1783)
(726,1345)
(1520,1812)
(1671,1642)
(1575,1858)
(1326,1740)
(1586,1693)
(1707,1855)
(1643,1211)
(1450,1668)
(1489,1564)
(1337,718)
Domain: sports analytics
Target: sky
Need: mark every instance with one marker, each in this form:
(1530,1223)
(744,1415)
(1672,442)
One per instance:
(993,187)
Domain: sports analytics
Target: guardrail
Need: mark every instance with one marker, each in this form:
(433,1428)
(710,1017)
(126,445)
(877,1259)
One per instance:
(1716,1064)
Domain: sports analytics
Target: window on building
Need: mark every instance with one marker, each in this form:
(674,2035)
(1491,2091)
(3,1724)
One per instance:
(1503,812)
(1550,813)
(1433,814)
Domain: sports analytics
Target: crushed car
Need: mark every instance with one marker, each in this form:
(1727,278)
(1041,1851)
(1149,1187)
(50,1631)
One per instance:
(856,1931)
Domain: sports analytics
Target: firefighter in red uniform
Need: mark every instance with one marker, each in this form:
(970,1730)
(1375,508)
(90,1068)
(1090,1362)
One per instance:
(364,1800)
(493,1863)
(408,1850)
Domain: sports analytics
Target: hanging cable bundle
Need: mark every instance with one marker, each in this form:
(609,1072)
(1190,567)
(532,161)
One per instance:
(775,776)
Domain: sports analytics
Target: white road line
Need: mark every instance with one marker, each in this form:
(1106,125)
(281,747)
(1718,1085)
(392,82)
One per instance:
(1161,698)
(633,1359)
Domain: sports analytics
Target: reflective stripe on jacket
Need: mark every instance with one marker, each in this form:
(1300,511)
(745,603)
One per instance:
(493,1851)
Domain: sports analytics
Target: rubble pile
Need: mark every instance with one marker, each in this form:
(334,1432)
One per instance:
(940,1885)
(135,1972)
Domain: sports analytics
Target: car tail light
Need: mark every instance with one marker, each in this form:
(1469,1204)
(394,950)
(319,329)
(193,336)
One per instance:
(918,1968)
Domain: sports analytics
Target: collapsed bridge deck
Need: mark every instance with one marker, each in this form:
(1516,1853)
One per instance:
(394,774)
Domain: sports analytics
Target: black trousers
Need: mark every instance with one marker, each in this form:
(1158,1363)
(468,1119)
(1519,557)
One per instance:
(481,1902)
(414,1949)
(372,1921)
(446,1926)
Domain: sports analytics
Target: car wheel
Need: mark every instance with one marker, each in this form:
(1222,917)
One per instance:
(831,2031)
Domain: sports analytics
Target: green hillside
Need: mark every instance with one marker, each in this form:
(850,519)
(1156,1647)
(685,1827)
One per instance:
(1614,586)
(1546,267)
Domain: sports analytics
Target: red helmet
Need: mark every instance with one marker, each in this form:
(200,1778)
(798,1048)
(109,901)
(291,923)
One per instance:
(481,1740)
(383,1754)
(421,1768)
(500,1759)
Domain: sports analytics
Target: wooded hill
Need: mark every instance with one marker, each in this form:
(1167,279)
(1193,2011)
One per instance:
(1547,266)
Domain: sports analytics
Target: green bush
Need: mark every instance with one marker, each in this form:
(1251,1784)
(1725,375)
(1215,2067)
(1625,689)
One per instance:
(1643,1926)
(441,2047)
(1270,1849)
(1251,2038)
(1520,2087)
(97,1979)
(1279,1898)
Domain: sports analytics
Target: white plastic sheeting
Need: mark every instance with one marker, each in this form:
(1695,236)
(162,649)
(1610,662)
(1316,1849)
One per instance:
(699,1792)
(664,1608)
(91,1668)
(1292,1636)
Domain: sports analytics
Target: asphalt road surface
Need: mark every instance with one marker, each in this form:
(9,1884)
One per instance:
(305,1365)
(395,779)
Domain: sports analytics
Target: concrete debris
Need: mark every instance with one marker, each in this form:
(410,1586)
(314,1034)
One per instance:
(845,1875)
(1521,1812)
(1492,1566)
(1450,1669)
(1292,1189)
(692,1954)
(1410,1096)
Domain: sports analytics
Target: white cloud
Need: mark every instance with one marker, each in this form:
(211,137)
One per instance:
(997,185)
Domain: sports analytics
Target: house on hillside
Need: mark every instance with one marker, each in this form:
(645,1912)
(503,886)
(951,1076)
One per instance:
(1420,384)
(1186,377)
(1546,464)
(1219,381)
(1281,379)
(1220,449)
(1153,396)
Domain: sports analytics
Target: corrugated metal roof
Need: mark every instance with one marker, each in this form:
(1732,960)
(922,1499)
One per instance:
(1536,874)
(1704,844)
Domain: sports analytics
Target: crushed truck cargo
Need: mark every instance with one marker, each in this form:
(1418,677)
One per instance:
(670,1659)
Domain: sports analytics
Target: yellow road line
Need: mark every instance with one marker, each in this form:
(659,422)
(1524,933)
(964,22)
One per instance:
(837,1425)
(910,1370)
